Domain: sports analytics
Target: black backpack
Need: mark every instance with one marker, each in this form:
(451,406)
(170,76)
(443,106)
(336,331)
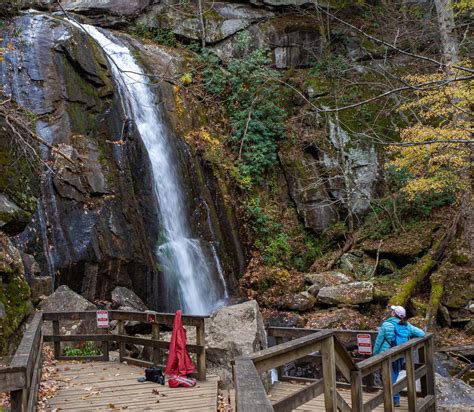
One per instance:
(155,375)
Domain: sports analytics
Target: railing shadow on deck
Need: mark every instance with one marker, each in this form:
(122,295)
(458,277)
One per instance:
(22,377)
(250,390)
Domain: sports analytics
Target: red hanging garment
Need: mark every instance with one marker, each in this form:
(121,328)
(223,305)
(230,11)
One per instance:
(179,362)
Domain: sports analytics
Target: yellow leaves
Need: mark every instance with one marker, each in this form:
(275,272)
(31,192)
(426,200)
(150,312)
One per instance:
(441,116)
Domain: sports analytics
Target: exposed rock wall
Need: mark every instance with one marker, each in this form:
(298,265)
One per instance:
(95,226)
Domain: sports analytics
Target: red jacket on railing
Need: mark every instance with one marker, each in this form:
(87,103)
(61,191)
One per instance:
(179,362)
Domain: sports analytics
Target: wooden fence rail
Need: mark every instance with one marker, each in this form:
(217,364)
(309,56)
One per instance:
(22,377)
(418,355)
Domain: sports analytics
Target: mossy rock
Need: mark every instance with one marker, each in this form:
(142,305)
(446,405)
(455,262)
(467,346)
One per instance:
(14,294)
(459,288)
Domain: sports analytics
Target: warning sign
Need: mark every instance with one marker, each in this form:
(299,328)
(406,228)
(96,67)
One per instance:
(102,318)
(364,344)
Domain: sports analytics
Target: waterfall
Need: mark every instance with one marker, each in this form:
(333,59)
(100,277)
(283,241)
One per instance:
(190,278)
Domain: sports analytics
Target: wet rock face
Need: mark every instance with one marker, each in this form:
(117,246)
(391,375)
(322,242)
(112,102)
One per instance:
(87,231)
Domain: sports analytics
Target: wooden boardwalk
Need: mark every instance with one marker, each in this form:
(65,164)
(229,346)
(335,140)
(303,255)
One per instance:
(282,389)
(112,386)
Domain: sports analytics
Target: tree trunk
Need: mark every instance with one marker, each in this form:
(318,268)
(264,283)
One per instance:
(447,30)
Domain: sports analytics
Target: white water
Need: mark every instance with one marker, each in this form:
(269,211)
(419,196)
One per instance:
(189,281)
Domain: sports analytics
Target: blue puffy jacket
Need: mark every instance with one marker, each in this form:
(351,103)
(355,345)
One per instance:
(387,333)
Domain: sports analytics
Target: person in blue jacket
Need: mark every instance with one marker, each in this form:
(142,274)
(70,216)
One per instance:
(394,331)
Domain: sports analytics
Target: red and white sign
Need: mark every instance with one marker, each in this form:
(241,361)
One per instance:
(102,318)
(364,344)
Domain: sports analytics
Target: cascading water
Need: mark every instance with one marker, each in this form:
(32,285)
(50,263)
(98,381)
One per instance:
(190,281)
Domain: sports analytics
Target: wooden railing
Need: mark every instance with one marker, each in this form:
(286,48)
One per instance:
(158,346)
(21,378)
(252,397)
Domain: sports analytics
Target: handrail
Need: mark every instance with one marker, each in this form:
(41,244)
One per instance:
(367,366)
(250,391)
(22,377)
(122,339)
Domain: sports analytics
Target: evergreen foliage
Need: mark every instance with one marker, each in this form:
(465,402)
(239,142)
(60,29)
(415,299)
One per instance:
(249,89)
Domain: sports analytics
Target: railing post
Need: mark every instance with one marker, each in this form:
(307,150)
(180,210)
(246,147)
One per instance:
(411,383)
(329,373)
(356,391)
(155,330)
(57,343)
(201,357)
(105,347)
(280,369)
(121,332)
(387,385)
(427,381)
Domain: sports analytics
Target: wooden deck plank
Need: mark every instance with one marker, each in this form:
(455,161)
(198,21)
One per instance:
(103,386)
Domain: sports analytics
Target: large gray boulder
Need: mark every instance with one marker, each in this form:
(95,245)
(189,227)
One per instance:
(65,299)
(347,294)
(324,279)
(125,299)
(231,332)
(299,301)
(453,394)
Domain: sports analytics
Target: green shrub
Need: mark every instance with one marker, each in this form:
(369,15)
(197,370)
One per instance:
(250,92)
(87,349)
(159,35)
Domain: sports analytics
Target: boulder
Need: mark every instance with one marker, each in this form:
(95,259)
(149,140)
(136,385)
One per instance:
(443,316)
(453,393)
(65,299)
(233,331)
(32,268)
(336,318)
(41,286)
(124,297)
(348,294)
(357,263)
(283,319)
(115,7)
(300,302)
(459,288)
(321,280)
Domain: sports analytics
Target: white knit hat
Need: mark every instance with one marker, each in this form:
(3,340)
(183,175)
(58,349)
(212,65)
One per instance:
(399,311)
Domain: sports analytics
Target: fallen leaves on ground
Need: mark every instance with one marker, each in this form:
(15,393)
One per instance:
(50,379)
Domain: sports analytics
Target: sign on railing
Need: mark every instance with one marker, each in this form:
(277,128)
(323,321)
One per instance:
(364,344)
(102,318)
